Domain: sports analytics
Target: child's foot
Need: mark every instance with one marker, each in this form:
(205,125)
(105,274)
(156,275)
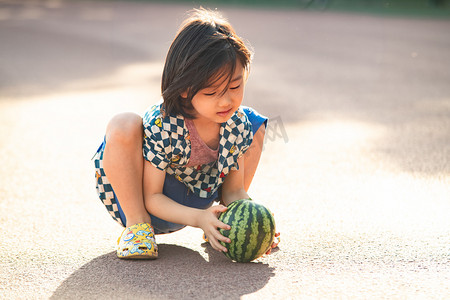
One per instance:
(137,242)
(276,241)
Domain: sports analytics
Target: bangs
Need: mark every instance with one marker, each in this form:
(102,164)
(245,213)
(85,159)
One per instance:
(204,54)
(222,73)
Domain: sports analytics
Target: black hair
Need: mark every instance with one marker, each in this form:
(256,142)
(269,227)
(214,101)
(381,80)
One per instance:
(205,50)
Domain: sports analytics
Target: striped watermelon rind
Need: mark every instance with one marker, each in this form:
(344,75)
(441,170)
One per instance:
(252,230)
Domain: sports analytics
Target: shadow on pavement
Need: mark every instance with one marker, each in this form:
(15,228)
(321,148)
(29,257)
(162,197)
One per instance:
(178,273)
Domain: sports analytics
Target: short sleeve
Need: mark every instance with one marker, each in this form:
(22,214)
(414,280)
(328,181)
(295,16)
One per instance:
(244,140)
(153,151)
(255,118)
(153,144)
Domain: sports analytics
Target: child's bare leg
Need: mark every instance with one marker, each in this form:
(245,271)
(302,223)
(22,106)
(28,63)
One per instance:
(123,163)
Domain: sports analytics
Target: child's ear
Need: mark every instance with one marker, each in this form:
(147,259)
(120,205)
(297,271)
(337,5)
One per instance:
(184,94)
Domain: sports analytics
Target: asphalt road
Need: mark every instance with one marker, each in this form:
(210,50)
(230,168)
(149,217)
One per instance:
(356,164)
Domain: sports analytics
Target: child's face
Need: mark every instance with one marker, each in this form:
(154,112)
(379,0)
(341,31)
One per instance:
(212,104)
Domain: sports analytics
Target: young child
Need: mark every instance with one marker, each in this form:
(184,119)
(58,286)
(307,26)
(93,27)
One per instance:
(159,173)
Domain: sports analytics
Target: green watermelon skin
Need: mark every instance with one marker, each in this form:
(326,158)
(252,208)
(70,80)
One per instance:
(252,230)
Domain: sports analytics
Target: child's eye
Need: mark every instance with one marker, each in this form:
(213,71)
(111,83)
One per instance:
(235,88)
(209,94)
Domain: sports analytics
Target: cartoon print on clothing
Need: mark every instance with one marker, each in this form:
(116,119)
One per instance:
(137,239)
(111,203)
(143,233)
(168,147)
(129,236)
(136,249)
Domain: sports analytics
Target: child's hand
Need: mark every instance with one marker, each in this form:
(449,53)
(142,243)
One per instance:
(276,241)
(209,222)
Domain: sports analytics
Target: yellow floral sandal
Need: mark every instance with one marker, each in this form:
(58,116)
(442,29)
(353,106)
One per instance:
(137,242)
(205,238)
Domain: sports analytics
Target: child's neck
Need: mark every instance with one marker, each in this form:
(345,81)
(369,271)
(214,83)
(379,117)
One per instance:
(205,123)
(208,131)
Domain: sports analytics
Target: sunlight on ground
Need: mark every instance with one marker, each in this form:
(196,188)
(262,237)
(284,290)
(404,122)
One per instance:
(47,141)
(329,164)
(131,88)
(140,76)
(347,213)
(358,180)
(331,167)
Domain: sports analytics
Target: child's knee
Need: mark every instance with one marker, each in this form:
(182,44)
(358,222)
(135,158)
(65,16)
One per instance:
(124,128)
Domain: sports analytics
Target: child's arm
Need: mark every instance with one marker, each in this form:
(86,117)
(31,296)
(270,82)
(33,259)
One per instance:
(233,189)
(233,185)
(244,175)
(165,208)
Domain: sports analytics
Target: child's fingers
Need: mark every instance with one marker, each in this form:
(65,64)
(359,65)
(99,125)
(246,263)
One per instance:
(218,209)
(215,238)
(217,245)
(222,225)
(217,235)
(276,240)
(223,239)
(220,248)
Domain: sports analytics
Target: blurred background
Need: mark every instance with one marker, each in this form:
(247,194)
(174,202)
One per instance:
(383,61)
(55,42)
(356,162)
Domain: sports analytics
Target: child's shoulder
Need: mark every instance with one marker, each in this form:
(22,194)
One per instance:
(152,113)
(156,121)
(153,121)
(254,118)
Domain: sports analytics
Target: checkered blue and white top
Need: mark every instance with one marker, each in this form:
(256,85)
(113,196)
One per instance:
(167,146)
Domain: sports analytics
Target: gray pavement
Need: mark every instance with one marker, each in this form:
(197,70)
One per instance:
(356,164)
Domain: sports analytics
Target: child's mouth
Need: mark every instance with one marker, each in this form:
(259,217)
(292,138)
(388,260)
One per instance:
(224,113)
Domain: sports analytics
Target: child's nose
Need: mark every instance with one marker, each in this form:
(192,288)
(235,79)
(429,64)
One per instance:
(225,100)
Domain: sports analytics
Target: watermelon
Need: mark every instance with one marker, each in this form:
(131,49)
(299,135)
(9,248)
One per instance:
(252,230)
